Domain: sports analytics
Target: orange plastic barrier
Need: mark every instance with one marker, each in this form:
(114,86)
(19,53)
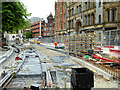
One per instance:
(55,44)
(39,42)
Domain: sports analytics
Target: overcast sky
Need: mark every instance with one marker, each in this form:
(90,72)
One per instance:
(40,8)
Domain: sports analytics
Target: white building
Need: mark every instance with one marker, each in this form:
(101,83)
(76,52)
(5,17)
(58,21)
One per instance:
(10,37)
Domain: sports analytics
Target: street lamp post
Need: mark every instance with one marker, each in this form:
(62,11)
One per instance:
(69,28)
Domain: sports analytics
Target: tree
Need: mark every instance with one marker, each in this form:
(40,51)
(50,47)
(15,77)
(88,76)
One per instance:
(29,34)
(14,16)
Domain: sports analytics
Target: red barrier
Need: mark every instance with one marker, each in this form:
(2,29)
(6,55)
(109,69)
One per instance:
(105,59)
(2,42)
(112,50)
(109,46)
(97,48)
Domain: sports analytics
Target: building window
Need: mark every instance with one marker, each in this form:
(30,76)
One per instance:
(60,9)
(99,19)
(93,18)
(72,24)
(50,28)
(90,19)
(93,4)
(80,8)
(71,12)
(64,16)
(113,15)
(99,36)
(86,4)
(64,6)
(86,17)
(61,26)
(64,25)
(61,17)
(41,23)
(90,4)
(69,24)
(99,3)
(108,12)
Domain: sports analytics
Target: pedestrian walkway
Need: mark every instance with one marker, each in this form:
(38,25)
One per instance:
(48,44)
(2,52)
(52,46)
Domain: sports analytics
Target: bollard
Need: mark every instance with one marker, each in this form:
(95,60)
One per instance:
(55,44)
(65,81)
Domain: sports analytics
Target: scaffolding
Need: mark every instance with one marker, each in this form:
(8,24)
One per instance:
(81,43)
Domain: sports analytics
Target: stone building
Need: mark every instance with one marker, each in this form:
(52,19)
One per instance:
(49,27)
(95,16)
(49,30)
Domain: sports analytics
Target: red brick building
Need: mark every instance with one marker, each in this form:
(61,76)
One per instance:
(49,27)
(37,28)
(60,20)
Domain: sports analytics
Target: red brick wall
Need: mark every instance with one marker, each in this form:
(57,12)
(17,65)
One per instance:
(57,14)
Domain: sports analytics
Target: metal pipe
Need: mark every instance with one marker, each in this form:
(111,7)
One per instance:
(109,40)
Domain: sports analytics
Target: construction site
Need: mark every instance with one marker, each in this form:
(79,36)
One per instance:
(80,64)
(77,46)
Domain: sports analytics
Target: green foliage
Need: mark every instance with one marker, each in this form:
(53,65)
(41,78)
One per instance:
(14,15)
(29,34)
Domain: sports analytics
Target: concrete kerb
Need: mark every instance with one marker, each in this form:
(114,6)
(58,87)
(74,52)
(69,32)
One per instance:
(6,55)
(94,68)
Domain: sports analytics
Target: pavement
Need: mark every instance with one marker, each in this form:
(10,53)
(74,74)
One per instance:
(7,63)
(2,53)
(52,46)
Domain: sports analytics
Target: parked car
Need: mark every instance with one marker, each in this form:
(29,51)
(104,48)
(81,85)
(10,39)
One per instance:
(60,47)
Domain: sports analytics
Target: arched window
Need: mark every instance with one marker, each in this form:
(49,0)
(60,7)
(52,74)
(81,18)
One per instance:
(92,18)
(99,19)
(78,25)
(89,19)
(113,14)
(108,14)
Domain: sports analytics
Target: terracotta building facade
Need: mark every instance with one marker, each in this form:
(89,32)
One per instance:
(37,28)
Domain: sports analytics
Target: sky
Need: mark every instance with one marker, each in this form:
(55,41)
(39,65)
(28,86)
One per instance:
(40,8)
